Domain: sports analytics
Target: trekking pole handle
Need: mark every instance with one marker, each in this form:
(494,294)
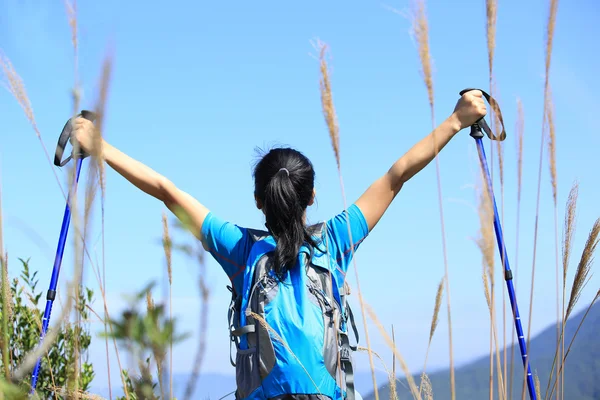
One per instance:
(65,136)
(481,126)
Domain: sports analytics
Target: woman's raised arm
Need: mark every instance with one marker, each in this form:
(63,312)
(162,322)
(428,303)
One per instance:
(377,198)
(189,210)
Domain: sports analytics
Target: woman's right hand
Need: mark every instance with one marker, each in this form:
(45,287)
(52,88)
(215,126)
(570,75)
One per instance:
(83,133)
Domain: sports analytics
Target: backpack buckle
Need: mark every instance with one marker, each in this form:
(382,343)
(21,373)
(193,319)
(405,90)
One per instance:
(345,354)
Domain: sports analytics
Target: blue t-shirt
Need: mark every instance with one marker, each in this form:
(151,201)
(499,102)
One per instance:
(230,244)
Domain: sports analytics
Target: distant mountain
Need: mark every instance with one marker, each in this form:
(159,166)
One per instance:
(582,368)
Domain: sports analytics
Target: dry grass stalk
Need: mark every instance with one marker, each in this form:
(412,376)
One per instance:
(552,163)
(332,125)
(328,107)
(491,8)
(14,84)
(6,310)
(549,42)
(579,282)
(156,352)
(276,336)
(71,9)
(426,387)
(551,144)
(536,381)
(204,296)
(409,378)
(434,322)
(485,241)
(391,375)
(569,230)
(486,245)
(564,359)
(583,269)
(75,394)
(393,391)
(519,129)
(436,309)
(420,30)
(167,245)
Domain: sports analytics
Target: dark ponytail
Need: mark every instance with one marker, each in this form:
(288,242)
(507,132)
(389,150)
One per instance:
(284,183)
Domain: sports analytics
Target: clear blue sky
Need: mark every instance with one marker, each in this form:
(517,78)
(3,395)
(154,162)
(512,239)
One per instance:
(197,85)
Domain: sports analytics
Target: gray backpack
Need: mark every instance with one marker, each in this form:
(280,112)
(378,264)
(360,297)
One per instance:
(275,324)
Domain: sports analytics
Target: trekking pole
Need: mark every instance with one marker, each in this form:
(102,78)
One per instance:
(477,134)
(63,140)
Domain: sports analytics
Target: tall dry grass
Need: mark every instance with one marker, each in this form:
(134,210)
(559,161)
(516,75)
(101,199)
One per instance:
(333,128)
(486,244)
(582,275)
(491,17)
(520,130)
(167,246)
(550,27)
(420,30)
(434,323)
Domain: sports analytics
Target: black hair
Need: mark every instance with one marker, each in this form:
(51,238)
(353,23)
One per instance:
(284,180)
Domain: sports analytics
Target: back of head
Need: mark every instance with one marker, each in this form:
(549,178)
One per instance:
(283,186)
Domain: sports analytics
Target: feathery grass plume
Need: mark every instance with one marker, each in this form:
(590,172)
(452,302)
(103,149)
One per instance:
(409,378)
(434,323)
(552,162)
(436,309)
(327,105)
(420,30)
(167,245)
(426,387)
(391,374)
(331,120)
(519,129)
(15,86)
(97,150)
(583,269)
(551,143)
(536,381)
(564,359)
(569,230)
(579,281)
(491,8)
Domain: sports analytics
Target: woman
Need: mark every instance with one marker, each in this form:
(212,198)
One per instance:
(286,348)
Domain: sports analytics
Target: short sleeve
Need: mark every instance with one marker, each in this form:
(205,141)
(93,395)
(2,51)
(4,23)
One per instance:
(229,245)
(342,242)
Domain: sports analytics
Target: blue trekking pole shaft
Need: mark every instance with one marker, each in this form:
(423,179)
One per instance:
(507,270)
(63,140)
(51,295)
